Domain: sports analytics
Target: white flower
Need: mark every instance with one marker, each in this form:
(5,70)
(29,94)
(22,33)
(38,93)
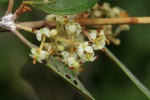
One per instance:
(57,18)
(99,45)
(39,55)
(65,56)
(70,60)
(85,52)
(8,22)
(98,39)
(116,10)
(61,19)
(73,27)
(45,31)
(93,35)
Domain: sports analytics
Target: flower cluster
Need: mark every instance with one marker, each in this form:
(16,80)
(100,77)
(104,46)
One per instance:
(71,43)
(106,11)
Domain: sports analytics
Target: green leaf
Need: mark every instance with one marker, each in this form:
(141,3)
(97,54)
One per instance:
(128,73)
(63,7)
(3,1)
(69,76)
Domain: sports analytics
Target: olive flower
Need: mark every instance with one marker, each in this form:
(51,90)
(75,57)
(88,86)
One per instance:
(39,55)
(98,39)
(45,31)
(70,60)
(85,52)
(73,27)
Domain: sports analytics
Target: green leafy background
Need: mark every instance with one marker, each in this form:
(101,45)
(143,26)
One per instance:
(20,80)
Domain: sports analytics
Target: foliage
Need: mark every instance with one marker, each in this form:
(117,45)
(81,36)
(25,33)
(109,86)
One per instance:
(63,7)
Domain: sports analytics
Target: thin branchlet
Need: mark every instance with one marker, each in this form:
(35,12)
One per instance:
(10,7)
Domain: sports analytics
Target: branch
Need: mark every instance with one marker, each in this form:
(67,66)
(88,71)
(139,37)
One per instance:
(19,11)
(37,24)
(10,7)
(100,21)
(110,21)
(32,25)
(128,72)
(23,39)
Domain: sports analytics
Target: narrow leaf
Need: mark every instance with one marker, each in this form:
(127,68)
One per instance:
(68,75)
(63,7)
(128,73)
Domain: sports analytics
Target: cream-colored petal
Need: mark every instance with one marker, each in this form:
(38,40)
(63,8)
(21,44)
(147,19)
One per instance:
(86,43)
(39,35)
(43,55)
(65,55)
(93,34)
(33,51)
(89,49)
(72,28)
(80,52)
(95,47)
(71,60)
(78,31)
(46,31)
(49,48)
(101,44)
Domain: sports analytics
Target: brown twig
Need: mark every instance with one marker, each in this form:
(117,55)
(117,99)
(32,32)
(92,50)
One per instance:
(100,21)
(37,24)
(110,21)
(10,7)
(19,11)
(33,25)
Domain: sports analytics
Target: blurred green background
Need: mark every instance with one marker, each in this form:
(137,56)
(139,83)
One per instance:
(21,80)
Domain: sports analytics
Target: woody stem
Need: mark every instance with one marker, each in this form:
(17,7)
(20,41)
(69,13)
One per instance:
(10,7)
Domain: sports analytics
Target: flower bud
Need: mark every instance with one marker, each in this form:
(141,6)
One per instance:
(60,48)
(53,32)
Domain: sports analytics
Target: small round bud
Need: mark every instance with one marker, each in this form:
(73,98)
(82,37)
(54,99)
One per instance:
(97,13)
(76,64)
(72,28)
(51,17)
(60,48)
(53,32)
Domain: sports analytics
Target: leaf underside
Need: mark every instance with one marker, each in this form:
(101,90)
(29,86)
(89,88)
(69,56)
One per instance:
(68,75)
(63,7)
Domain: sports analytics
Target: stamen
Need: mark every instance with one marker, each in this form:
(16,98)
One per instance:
(34,61)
